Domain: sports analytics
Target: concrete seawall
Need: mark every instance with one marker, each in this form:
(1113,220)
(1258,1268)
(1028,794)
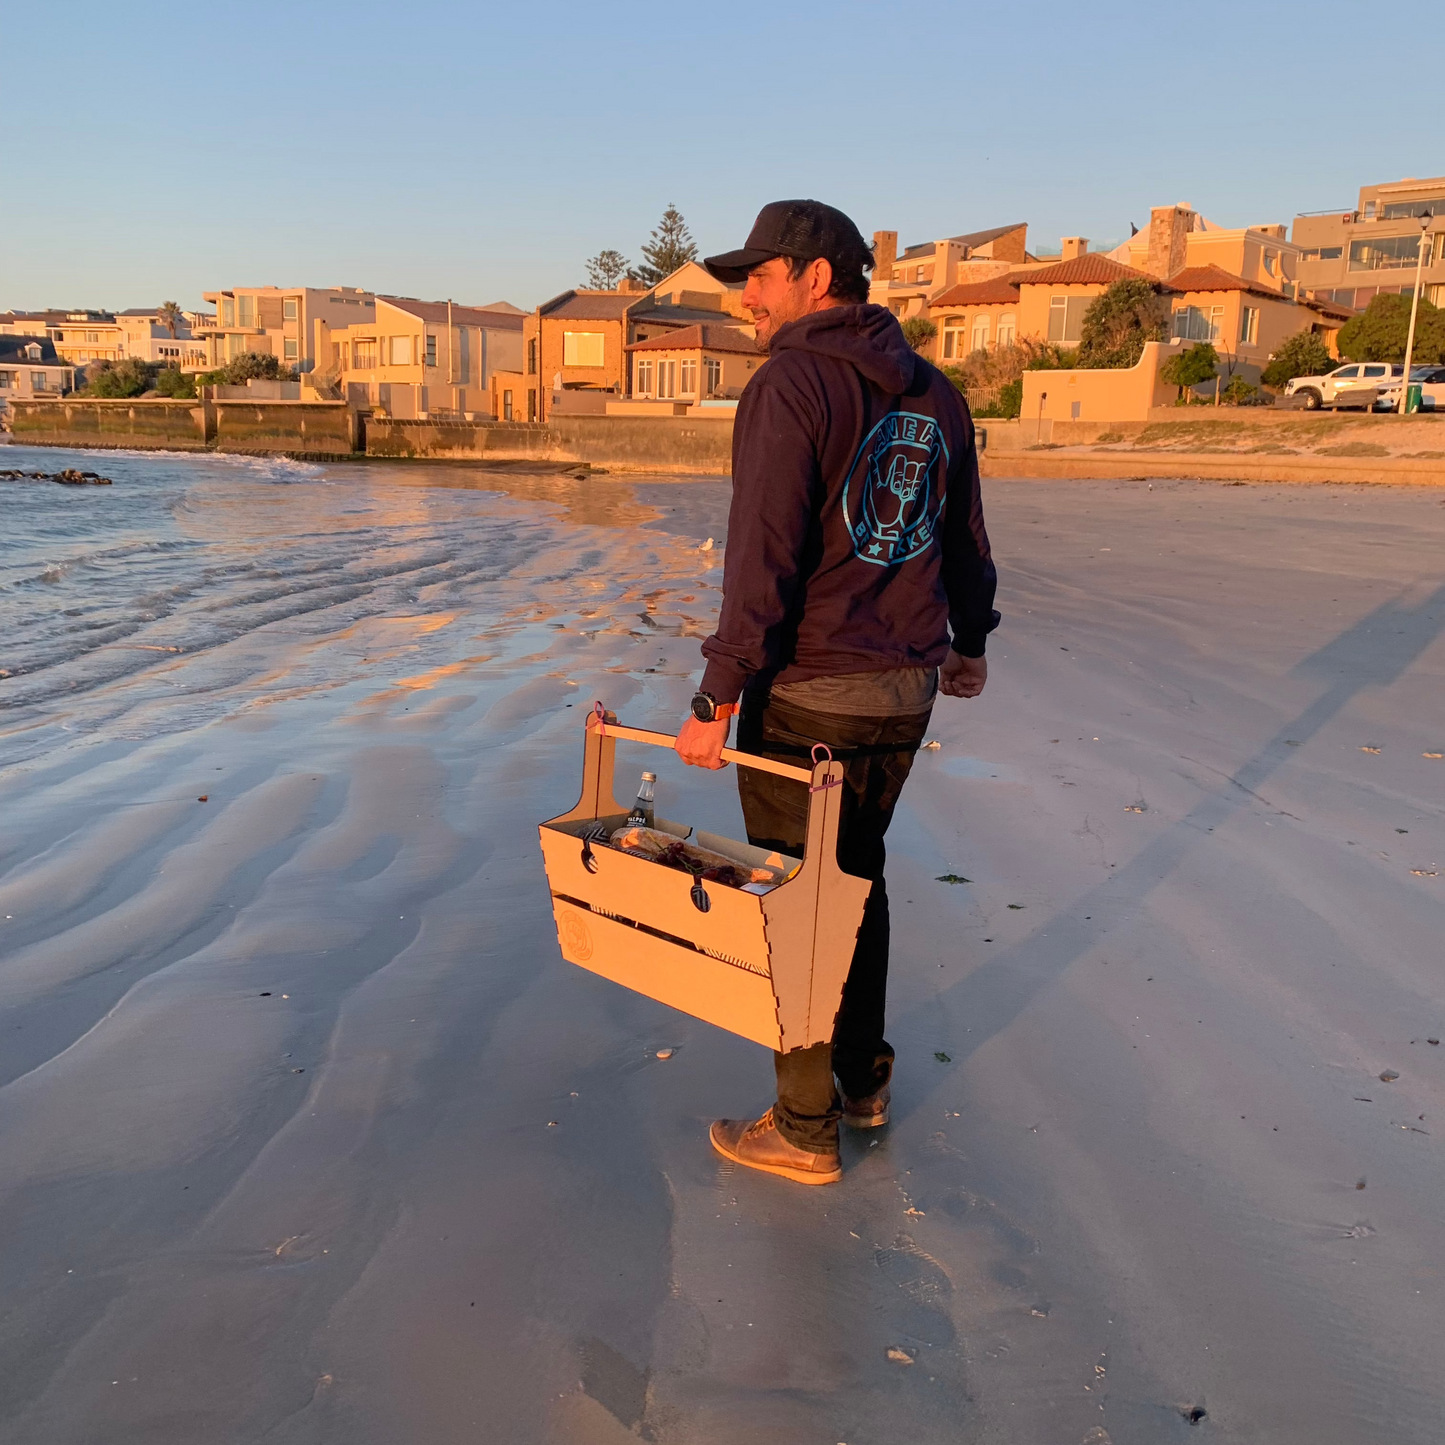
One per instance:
(655,444)
(1246,445)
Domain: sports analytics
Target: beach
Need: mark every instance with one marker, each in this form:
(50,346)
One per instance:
(308,1134)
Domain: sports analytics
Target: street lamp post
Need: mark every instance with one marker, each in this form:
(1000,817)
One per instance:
(1414,309)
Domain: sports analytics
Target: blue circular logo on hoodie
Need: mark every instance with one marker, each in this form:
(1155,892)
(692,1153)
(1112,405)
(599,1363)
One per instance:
(894,492)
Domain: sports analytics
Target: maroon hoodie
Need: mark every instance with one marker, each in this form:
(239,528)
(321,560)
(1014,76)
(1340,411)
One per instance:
(855,537)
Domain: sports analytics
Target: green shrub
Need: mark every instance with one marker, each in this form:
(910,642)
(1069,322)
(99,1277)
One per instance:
(918,331)
(1379,333)
(172,381)
(1119,322)
(1303,354)
(1189,368)
(1239,392)
(117,379)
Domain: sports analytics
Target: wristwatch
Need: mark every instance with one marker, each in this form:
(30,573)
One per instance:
(706,708)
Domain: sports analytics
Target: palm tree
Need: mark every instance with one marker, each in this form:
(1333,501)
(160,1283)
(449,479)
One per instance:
(170,316)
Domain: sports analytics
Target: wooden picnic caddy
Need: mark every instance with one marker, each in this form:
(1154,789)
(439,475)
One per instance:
(769,965)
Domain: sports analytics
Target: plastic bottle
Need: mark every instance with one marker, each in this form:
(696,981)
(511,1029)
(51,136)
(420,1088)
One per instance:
(641,815)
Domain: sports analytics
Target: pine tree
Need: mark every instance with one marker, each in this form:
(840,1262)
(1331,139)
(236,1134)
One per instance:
(671,246)
(605,270)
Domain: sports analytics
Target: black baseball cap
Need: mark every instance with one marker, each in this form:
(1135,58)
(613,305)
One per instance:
(802,230)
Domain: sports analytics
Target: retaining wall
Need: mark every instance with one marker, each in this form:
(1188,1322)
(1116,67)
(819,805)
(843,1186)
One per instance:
(159,424)
(653,443)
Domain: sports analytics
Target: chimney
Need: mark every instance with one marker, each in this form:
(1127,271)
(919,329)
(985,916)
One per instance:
(628,287)
(1169,226)
(1074,246)
(885,253)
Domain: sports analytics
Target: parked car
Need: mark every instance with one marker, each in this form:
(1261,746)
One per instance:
(1431,380)
(1357,383)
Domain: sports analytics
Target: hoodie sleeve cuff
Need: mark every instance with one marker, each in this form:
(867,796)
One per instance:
(725,683)
(970,644)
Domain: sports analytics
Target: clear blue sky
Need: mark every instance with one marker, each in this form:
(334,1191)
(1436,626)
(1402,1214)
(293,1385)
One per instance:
(478,151)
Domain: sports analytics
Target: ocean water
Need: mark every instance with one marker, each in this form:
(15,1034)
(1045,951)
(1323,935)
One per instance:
(198,584)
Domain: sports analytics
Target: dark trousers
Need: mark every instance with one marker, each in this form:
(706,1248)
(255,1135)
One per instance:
(877,753)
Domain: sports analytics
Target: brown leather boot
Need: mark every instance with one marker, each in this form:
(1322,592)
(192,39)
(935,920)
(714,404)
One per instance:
(867,1113)
(757,1143)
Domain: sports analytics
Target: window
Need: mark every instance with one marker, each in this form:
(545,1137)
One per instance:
(1346,373)
(917,274)
(1006,329)
(1373,373)
(582,348)
(506,406)
(531,403)
(37,381)
(1249,325)
(1199,323)
(288,309)
(980,333)
(401,350)
(364,353)
(245,311)
(92,337)
(643,382)
(1066,317)
(7,380)
(1401,210)
(288,348)
(689,378)
(712,375)
(1269,262)
(1324,253)
(1384,252)
(952,341)
(1369,210)
(532,357)
(666,379)
(228,310)
(431,348)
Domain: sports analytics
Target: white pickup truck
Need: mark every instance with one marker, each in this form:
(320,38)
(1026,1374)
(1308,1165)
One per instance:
(1357,383)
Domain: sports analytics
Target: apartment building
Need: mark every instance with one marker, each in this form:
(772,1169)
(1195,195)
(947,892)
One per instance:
(81,337)
(423,358)
(280,321)
(1352,256)
(907,282)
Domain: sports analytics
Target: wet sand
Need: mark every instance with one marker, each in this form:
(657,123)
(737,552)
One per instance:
(307,1134)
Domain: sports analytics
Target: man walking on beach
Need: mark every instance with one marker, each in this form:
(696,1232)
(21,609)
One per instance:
(857,584)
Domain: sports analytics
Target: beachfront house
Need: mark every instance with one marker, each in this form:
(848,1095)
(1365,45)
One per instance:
(695,364)
(30,366)
(423,358)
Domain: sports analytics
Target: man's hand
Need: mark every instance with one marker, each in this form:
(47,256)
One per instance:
(700,744)
(958,677)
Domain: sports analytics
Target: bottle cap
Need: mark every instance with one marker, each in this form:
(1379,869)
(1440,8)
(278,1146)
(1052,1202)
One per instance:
(649,777)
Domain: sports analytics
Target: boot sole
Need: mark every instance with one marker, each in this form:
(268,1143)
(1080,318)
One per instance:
(798,1176)
(868,1121)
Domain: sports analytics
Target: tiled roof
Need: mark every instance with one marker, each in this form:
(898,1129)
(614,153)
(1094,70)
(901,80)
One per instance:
(971,239)
(436,311)
(1216,278)
(1090,269)
(1000,291)
(709,336)
(589,305)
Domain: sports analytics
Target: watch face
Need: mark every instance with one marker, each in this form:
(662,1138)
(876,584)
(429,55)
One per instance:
(702,707)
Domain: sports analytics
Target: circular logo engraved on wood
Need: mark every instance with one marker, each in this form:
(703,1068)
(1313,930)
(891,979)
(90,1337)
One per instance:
(576,936)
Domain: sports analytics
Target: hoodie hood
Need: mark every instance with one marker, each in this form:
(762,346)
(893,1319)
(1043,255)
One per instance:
(868,338)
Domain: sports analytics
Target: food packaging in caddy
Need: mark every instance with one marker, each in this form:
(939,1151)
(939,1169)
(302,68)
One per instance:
(768,965)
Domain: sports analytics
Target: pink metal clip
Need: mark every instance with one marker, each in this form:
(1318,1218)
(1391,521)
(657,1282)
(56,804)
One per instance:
(827,758)
(600,713)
